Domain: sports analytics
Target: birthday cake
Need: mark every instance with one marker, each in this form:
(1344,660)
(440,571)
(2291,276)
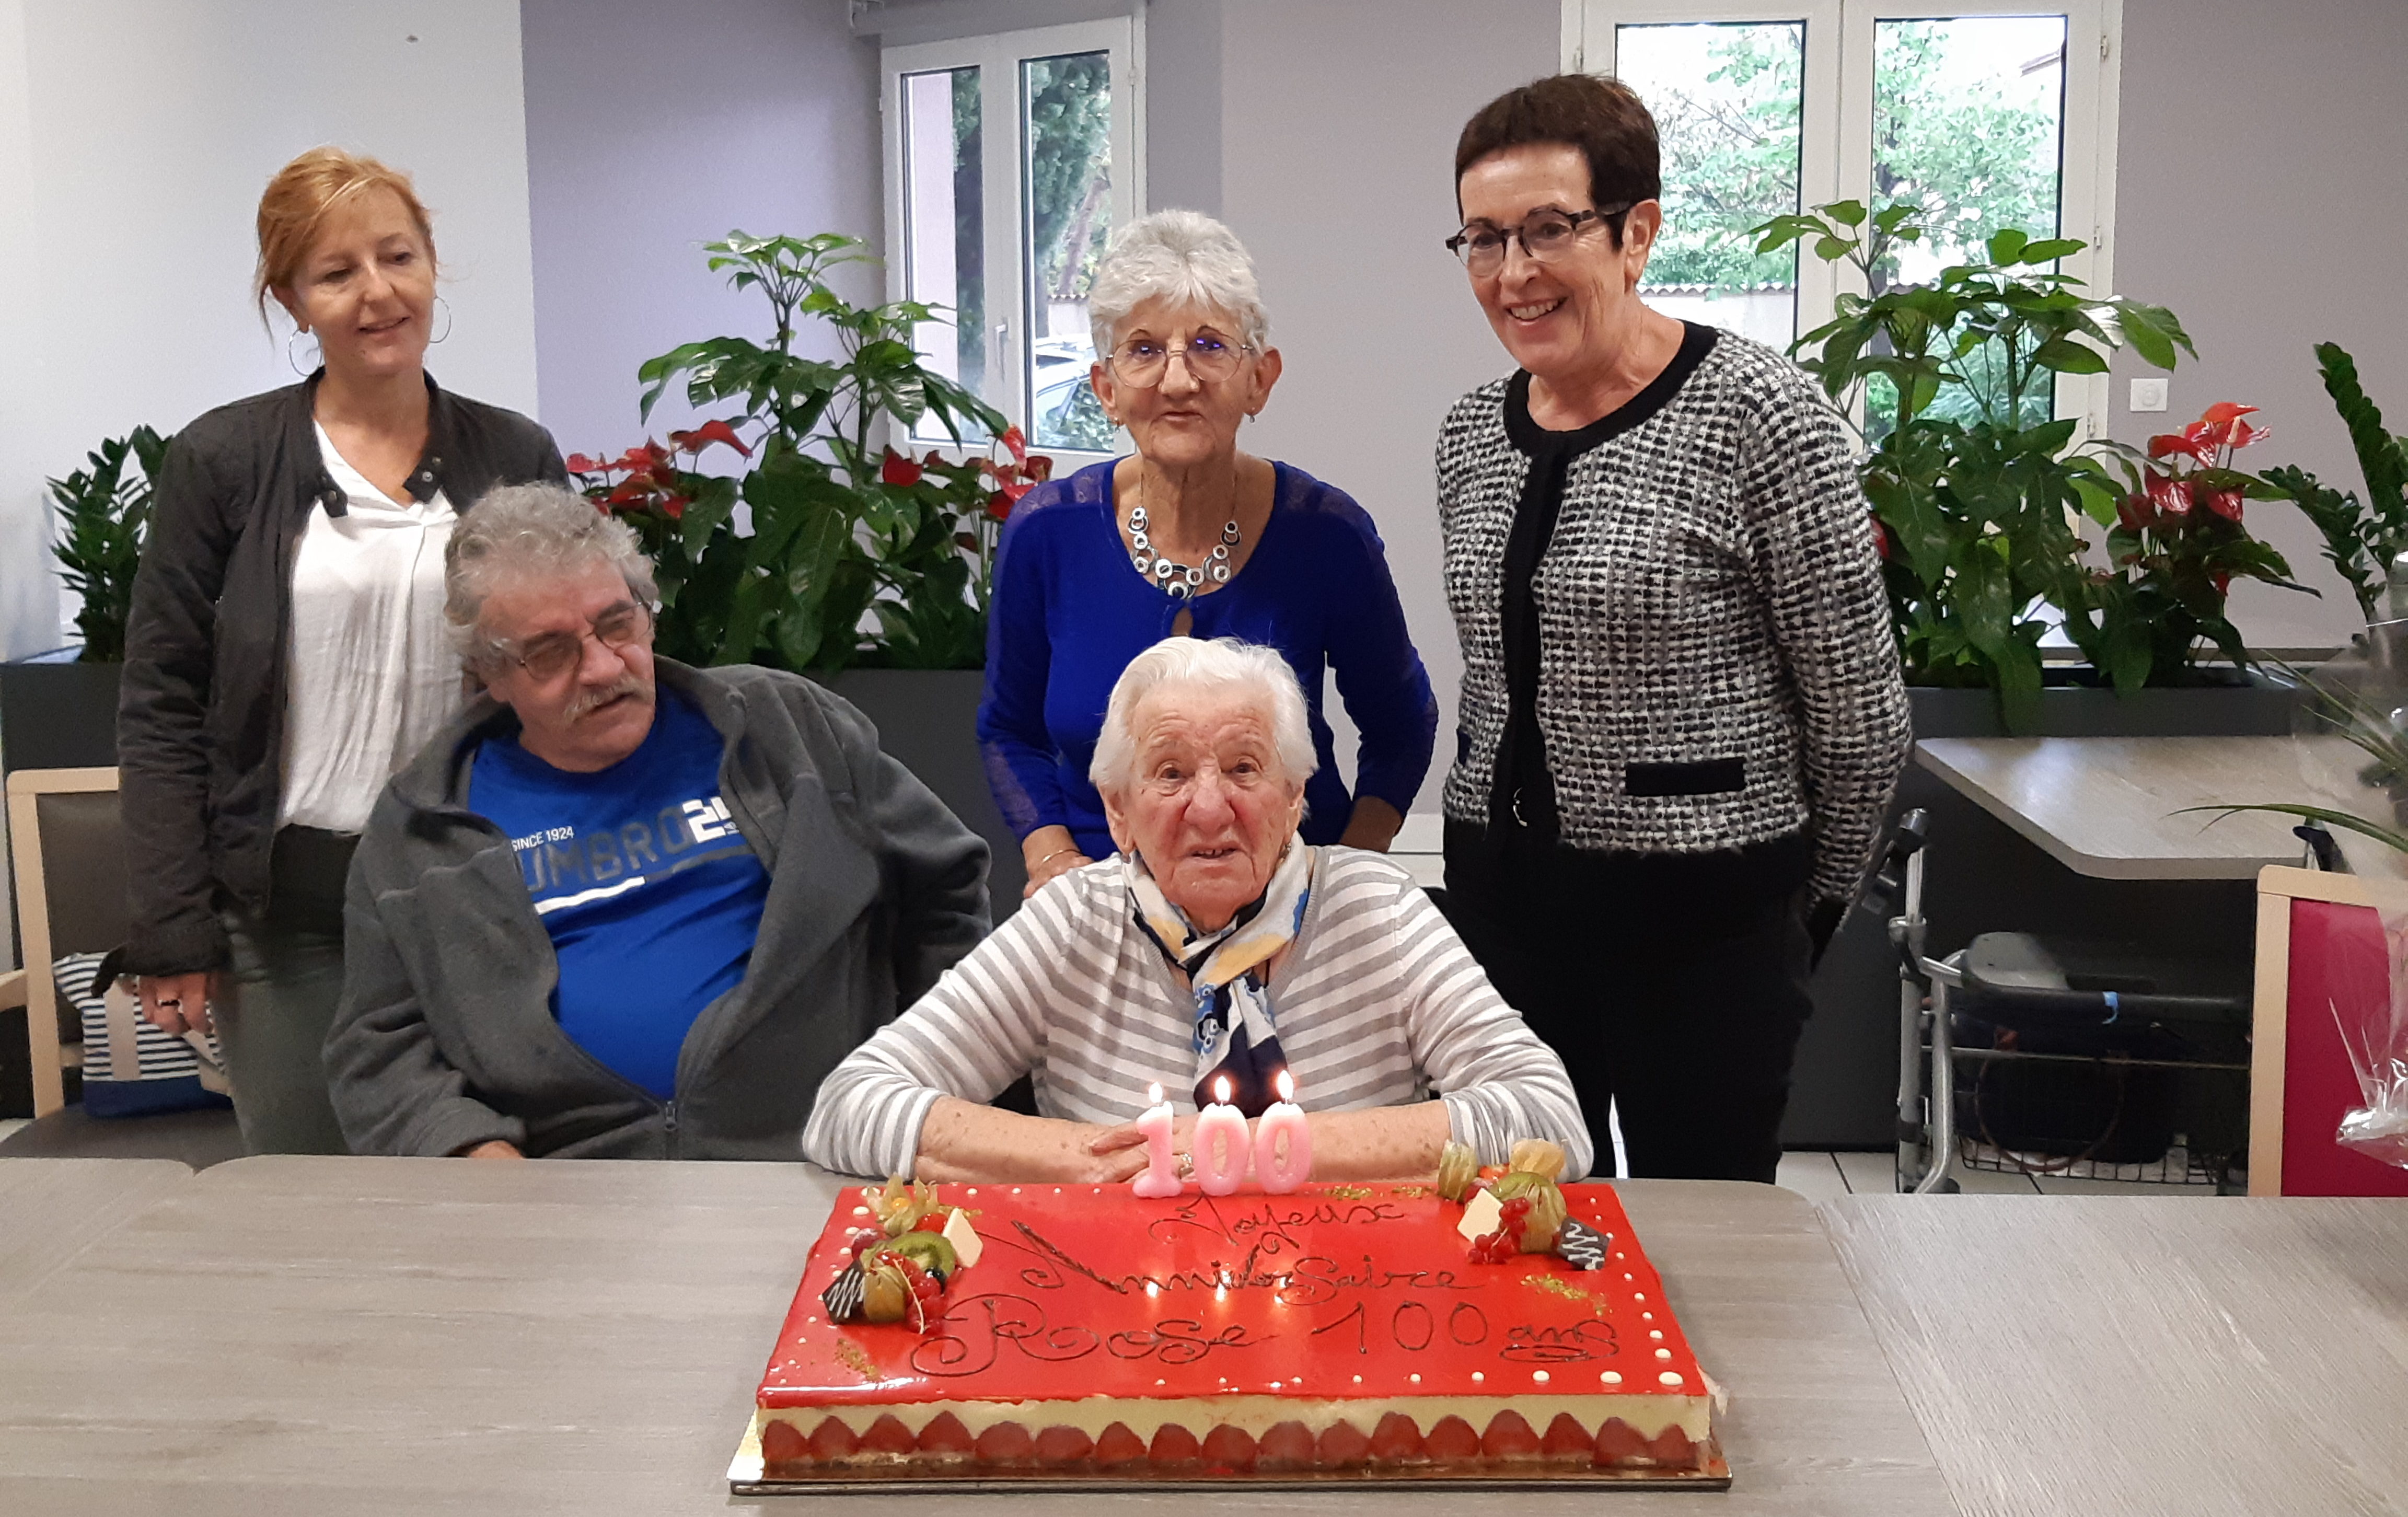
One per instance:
(1078,1332)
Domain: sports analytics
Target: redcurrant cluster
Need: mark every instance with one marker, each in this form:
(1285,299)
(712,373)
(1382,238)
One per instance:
(1506,1241)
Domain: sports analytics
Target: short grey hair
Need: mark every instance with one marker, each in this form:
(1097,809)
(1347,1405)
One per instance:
(1214,663)
(1184,257)
(522,530)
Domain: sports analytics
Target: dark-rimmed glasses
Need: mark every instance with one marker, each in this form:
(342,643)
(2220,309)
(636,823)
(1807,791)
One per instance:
(1142,362)
(1546,237)
(548,656)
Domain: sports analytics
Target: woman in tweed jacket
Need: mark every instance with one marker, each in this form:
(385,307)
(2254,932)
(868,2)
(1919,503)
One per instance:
(1682,716)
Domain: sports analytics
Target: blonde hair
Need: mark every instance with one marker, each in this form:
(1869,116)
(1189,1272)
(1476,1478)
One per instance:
(1208,664)
(298,199)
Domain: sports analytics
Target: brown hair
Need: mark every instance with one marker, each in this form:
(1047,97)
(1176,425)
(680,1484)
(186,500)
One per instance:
(1603,117)
(296,203)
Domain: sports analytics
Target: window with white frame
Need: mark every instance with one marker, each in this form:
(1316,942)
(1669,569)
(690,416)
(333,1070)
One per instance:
(1985,113)
(1009,161)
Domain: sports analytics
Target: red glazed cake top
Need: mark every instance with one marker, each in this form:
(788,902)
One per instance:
(1336,1292)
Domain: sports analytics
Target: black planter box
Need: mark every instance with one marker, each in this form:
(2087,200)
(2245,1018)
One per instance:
(58,716)
(927,722)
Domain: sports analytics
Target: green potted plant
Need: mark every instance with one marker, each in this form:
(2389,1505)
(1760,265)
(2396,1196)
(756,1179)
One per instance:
(2364,537)
(858,564)
(1977,488)
(63,714)
(2176,544)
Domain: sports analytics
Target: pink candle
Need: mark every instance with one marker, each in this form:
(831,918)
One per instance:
(1161,1176)
(1281,1167)
(1220,1143)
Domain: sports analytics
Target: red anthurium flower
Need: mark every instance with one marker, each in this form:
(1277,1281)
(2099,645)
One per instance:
(2223,580)
(2134,513)
(707,433)
(2185,442)
(999,506)
(898,470)
(633,490)
(1881,537)
(1015,444)
(1038,468)
(2243,433)
(2225,412)
(2170,496)
(2224,503)
(674,508)
(580,464)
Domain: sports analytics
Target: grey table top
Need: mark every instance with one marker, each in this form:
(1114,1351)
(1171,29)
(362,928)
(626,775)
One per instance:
(2105,1355)
(2117,807)
(51,1209)
(325,1336)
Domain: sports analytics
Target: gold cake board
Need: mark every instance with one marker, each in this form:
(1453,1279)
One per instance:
(745,1476)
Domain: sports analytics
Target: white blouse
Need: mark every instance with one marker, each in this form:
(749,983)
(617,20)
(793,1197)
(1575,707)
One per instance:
(369,677)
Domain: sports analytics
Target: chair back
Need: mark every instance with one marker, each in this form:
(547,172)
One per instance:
(2321,953)
(67,847)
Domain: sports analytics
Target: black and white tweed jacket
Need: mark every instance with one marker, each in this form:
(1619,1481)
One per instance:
(1711,594)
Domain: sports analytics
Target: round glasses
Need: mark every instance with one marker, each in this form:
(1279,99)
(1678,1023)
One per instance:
(1546,237)
(548,657)
(1142,362)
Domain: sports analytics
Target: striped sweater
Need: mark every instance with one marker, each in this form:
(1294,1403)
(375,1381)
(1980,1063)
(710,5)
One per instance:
(1377,1004)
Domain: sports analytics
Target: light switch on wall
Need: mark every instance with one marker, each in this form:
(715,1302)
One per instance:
(2148,395)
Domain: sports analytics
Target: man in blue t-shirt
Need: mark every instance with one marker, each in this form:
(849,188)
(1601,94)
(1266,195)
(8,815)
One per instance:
(623,908)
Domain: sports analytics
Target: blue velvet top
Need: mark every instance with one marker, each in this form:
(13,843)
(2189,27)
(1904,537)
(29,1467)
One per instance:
(1068,612)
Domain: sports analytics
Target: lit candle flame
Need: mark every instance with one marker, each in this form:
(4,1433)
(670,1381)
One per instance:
(1154,1095)
(1221,1090)
(1286,1086)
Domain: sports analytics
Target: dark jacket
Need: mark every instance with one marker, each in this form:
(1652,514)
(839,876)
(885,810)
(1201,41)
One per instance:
(200,722)
(446,1038)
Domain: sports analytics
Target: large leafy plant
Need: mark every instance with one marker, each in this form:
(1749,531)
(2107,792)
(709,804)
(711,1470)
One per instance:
(2361,535)
(103,517)
(855,554)
(1975,483)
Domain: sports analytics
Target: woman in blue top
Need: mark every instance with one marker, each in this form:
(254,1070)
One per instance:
(1189,535)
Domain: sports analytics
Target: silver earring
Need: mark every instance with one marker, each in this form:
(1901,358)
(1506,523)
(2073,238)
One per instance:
(316,353)
(447,322)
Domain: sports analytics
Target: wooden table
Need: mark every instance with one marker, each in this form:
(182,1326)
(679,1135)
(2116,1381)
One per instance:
(2109,1356)
(2112,808)
(51,1209)
(324,1335)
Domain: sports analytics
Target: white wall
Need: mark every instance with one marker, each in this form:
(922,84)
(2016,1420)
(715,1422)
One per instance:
(1337,169)
(135,138)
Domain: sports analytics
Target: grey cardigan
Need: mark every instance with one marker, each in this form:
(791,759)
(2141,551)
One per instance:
(445,1036)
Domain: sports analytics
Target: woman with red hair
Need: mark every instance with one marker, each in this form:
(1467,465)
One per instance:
(285,651)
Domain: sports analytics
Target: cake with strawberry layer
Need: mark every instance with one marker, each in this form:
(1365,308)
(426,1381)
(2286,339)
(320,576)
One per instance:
(1066,1332)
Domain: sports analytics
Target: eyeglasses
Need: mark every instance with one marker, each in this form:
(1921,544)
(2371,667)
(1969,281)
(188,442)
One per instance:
(1546,236)
(549,656)
(1142,362)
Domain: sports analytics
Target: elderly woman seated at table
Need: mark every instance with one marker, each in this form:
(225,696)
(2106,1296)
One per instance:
(1215,946)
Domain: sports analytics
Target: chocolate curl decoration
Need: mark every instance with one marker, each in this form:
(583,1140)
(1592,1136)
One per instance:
(842,1298)
(1583,1246)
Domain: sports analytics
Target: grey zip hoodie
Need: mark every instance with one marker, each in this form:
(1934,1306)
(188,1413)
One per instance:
(445,1037)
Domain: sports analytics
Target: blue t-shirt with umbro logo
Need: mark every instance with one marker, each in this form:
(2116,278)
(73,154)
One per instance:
(651,894)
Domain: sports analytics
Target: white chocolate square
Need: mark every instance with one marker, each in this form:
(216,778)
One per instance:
(964,1237)
(1481,1215)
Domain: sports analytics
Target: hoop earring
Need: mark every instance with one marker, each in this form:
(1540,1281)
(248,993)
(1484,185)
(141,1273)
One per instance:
(317,354)
(447,322)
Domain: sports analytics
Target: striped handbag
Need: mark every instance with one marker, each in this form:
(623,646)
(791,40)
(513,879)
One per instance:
(130,1068)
